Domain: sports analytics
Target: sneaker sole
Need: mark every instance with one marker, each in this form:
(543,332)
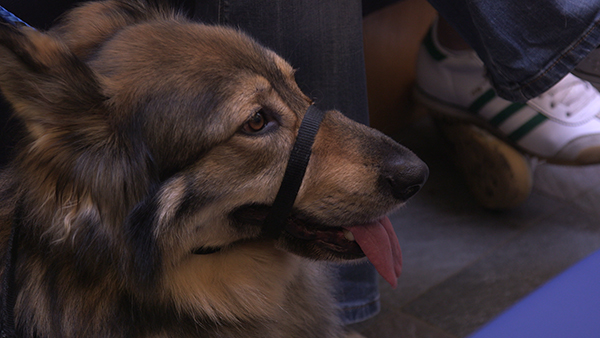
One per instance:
(498,175)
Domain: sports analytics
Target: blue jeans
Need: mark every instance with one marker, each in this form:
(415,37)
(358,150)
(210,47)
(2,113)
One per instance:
(357,292)
(526,45)
(322,39)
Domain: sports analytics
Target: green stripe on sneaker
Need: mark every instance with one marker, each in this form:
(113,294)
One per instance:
(506,113)
(482,101)
(435,53)
(527,127)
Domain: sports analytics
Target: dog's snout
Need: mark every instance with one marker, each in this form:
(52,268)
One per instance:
(404,175)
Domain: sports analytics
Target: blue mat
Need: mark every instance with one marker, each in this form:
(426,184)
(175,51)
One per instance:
(8,17)
(568,306)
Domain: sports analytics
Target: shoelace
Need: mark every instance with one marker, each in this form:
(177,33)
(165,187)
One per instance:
(571,92)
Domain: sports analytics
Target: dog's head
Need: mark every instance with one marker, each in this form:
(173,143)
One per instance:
(159,138)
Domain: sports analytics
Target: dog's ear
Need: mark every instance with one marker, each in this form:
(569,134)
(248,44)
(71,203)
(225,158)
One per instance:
(47,85)
(98,21)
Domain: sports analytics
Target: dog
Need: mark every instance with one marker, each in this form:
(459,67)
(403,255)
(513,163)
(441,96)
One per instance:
(153,149)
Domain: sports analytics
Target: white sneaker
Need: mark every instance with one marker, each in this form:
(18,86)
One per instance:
(562,125)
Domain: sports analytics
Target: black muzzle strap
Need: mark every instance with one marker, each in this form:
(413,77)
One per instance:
(294,173)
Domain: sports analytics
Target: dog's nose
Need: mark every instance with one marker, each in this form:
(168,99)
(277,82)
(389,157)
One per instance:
(404,175)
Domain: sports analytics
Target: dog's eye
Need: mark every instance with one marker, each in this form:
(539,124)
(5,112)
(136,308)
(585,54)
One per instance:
(256,123)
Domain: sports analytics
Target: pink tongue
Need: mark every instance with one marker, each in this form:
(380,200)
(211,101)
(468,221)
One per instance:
(379,242)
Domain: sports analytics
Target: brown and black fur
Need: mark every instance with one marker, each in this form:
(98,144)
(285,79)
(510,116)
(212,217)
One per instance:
(138,151)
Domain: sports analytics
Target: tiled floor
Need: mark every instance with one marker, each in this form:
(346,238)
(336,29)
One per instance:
(464,265)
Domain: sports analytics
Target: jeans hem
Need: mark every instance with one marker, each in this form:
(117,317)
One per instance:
(555,71)
(356,314)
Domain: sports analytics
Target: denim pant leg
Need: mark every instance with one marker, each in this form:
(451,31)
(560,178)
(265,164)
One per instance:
(357,292)
(527,45)
(323,41)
